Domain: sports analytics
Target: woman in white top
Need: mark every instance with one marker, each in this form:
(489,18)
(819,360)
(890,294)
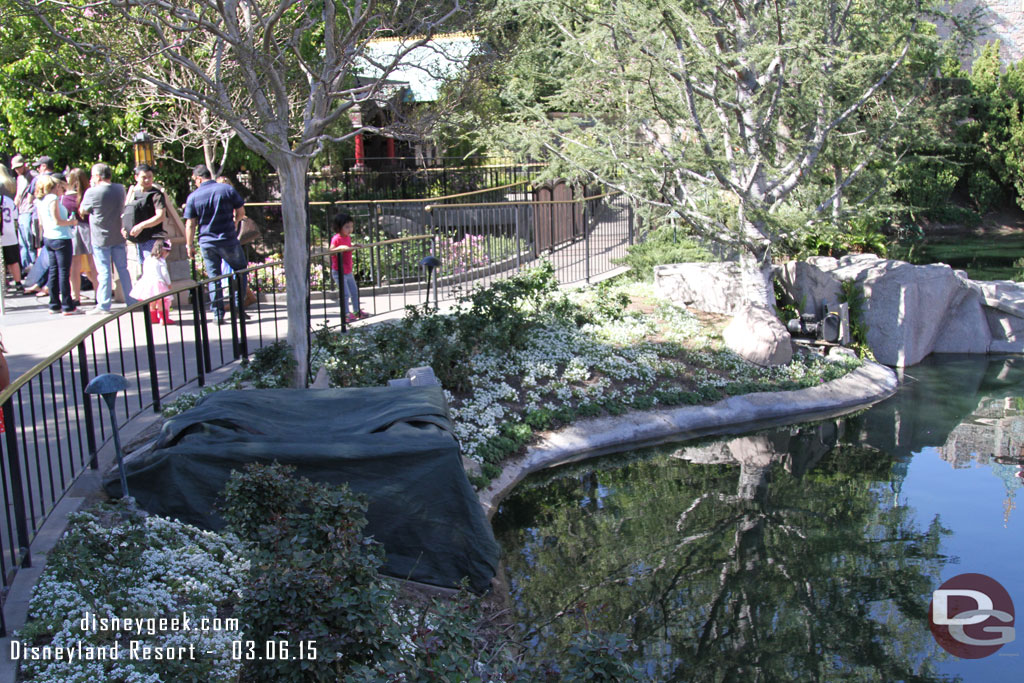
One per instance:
(56,224)
(9,227)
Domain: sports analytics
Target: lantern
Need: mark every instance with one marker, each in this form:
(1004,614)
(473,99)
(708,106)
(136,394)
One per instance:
(142,146)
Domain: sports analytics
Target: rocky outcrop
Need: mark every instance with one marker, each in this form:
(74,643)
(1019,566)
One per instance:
(711,287)
(756,334)
(911,311)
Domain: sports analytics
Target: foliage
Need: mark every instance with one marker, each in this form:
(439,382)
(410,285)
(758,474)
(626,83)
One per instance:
(662,246)
(312,576)
(992,134)
(43,111)
(778,117)
(925,183)
(851,294)
(271,367)
(113,562)
(580,355)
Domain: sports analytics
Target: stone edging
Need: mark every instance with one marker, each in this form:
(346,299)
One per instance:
(590,438)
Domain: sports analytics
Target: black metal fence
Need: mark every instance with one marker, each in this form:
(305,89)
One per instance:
(53,431)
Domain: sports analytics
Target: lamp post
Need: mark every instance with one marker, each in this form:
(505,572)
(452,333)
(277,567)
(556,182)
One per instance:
(107,386)
(142,147)
(430,263)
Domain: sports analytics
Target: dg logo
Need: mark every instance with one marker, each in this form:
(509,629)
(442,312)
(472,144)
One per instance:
(971,616)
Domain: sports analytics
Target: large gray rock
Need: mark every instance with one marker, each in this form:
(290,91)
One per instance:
(756,335)
(966,328)
(906,307)
(809,284)
(711,287)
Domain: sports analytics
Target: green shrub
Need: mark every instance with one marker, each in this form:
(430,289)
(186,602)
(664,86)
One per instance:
(925,183)
(313,578)
(983,190)
(661,246)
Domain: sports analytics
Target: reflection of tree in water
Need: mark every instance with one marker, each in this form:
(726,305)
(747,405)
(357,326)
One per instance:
(760,558)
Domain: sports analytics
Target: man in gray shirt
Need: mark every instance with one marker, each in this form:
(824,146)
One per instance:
(103,203)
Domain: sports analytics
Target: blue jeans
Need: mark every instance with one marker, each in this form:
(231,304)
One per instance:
(144,249)
(351,292)
(234,256)
(59,274)
(105,256)
(28,254)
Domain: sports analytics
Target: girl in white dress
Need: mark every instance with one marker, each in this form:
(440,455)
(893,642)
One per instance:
(155,280)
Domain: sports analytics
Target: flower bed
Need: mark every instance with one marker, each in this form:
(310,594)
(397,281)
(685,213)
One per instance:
(538,359)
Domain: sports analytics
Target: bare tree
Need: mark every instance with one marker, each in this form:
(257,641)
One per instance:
(280,73)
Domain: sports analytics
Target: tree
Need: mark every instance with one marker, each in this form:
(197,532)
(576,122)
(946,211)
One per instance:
(750,119)
(44,112)
(281,73)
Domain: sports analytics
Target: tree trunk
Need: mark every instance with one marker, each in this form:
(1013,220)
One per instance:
(756,262)
(291,171)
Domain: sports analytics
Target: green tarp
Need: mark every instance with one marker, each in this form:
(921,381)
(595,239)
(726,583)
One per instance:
(393,444)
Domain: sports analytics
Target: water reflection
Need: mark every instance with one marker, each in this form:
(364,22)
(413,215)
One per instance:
(789,555)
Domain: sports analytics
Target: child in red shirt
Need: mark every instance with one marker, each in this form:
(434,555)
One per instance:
(343,238)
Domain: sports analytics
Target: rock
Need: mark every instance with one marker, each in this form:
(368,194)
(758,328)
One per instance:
(711,287)
(321,381)
(966,328)
(472,467)
(756,335)
(906,307)
(809,284)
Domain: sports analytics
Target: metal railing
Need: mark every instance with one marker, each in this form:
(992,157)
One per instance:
(53,431)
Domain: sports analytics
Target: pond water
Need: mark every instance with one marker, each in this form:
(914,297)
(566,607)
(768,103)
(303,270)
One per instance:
(804,553)
(990,256)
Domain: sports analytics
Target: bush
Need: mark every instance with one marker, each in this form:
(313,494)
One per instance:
(925,183)
(313,579)
(984,190)
(661,246)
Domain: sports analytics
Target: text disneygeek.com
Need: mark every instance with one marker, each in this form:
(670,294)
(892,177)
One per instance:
(124,646)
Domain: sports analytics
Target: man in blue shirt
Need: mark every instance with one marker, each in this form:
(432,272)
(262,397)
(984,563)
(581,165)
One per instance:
(216,209)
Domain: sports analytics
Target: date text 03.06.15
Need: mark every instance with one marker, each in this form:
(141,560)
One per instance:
(271,650)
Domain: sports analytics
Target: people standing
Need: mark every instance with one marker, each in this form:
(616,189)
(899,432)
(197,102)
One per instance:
(9,228)
(103,203)
(81,242)
(56,227)
(144,210)
(23,201)
(215,208)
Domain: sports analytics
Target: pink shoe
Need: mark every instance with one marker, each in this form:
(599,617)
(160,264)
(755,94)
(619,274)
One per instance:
(362,314)
(351,317)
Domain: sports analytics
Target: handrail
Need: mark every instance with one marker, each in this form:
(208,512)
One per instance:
(430,207)
(27,376)
(399,201)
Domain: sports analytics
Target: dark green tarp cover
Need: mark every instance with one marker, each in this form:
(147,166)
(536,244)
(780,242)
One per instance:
(393,444)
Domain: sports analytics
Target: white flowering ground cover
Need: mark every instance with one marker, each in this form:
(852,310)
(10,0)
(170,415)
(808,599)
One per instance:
(635,351)
(109,567)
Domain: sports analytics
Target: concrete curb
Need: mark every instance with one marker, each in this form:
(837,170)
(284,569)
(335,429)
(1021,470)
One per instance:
(591,438)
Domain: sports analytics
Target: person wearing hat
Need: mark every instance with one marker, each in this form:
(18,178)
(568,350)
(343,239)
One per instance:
(23,201)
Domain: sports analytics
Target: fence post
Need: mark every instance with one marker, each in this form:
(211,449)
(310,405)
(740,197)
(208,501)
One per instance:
(90,435)
(154,383)
(17,486)
(233,311)
(198,329)
(631,231)
(586,244)
(242,338)
(518,208)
